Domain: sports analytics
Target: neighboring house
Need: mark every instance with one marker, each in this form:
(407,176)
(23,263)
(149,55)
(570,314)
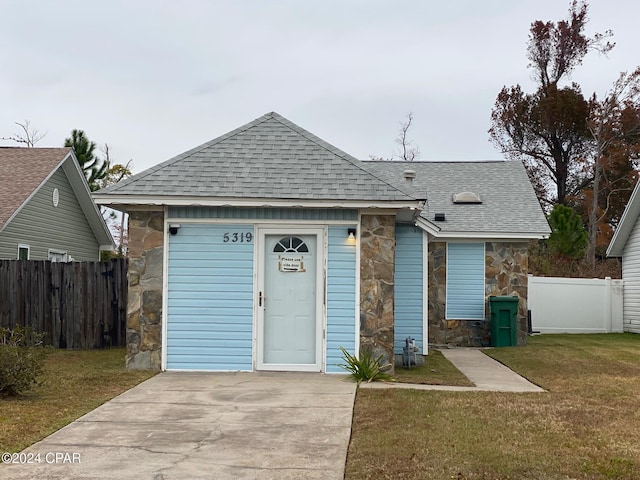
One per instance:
(46,209)
(626,245)
(269,249)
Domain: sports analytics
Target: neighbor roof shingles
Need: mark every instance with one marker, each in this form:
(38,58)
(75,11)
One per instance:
(22,170)
(267,158)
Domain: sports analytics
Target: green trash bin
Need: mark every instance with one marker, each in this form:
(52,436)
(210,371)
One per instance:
(504,326)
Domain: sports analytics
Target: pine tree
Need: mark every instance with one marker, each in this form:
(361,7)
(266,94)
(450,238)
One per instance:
(94,168)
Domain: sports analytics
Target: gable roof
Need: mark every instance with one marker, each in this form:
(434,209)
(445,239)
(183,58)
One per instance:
(509,205)
(269,158)
(23,171)
(626,224)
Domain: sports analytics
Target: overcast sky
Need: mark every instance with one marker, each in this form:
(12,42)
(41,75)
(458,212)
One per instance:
(155,78)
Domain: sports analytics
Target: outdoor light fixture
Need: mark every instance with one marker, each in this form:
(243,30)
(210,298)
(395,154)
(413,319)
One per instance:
(173,228)
(352,234)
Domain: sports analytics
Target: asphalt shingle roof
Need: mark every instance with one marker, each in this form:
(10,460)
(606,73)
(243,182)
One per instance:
(272,158)
(268,158)
(509,204)
(22,171)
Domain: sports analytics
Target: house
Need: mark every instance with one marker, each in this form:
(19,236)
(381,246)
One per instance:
(269,249)
(625,244)
(46,209)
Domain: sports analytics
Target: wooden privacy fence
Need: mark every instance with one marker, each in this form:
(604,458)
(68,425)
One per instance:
(77,304)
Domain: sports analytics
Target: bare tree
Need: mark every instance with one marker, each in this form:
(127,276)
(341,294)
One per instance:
(408,151)
(29,135)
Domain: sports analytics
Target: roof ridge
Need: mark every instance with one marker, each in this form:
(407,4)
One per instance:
(422,162)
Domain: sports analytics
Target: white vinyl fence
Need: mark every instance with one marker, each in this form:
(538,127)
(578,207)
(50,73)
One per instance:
(575,305)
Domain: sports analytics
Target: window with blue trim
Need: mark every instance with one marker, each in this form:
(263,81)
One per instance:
(465,281)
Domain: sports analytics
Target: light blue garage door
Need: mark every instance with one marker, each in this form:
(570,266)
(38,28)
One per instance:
(210,298)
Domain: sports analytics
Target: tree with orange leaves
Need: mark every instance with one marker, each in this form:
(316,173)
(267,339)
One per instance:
(578,152)
(547,129)
(614,124)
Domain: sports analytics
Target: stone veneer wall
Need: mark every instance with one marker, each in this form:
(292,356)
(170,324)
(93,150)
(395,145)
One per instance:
(377,270)
(506,267)
(439,328)
(144,311)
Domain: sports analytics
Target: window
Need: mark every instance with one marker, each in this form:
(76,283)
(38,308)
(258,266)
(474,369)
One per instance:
(57,256)
(23,252)
(291,244)
(465,281)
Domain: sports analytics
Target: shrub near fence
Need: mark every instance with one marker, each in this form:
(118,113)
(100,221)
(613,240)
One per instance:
(76,305)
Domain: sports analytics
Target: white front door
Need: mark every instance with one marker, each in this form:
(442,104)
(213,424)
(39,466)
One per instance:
(289,301)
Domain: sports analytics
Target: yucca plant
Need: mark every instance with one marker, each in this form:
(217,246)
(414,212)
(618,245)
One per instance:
(365,368)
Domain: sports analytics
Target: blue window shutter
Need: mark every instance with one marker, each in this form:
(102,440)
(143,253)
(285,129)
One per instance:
(465,281)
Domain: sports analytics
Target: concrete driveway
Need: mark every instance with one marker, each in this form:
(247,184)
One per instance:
(205,426)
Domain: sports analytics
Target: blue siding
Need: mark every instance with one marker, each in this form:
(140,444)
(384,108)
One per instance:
(409,286)
(210,299)
(341,297)
(465,281)
(241,213)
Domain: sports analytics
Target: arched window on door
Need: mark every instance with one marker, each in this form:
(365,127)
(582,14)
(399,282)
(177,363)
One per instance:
(290,245)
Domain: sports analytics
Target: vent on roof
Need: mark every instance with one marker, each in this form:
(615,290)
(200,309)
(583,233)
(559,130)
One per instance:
(409,175)
(466,197)
(439,217)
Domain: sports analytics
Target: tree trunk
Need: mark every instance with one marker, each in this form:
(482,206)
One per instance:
(590,254)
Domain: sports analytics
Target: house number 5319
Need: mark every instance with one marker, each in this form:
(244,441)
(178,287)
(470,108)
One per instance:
(237,237)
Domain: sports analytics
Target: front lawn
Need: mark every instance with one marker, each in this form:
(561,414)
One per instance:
(437,370)
(75,382)
(586,427)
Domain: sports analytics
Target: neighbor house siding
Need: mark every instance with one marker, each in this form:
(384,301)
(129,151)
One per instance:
(341,297)
(409,287)
(210,299)
(42,226)
(631,277)
(465,281)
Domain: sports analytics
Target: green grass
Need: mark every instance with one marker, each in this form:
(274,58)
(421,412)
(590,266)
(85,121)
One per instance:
(586,427)
(75,382)
(437,370)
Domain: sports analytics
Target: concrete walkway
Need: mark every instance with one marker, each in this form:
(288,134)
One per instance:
(218,426)
(227,426)
(487,373)
(483,371)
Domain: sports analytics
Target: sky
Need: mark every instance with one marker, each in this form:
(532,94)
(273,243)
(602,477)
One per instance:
(154,78)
